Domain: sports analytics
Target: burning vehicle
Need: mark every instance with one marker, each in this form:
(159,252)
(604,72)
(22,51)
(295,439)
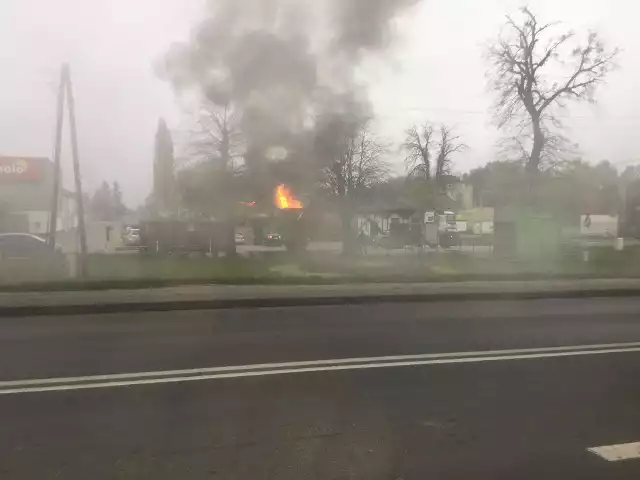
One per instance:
(290,220)
(273,239)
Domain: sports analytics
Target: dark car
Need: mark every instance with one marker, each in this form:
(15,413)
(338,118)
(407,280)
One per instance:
(23,245)
(449,239)
(273,239)
(26,257)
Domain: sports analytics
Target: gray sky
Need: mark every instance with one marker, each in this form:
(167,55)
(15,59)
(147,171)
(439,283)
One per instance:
(436,73)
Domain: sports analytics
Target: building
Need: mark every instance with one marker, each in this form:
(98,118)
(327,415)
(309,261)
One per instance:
(375,220)
(26,191)
(478,221)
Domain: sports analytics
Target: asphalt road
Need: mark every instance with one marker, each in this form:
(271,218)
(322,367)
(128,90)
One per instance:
(482,390)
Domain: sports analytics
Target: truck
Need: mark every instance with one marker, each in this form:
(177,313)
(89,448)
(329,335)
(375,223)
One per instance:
(181,237)
(440,229)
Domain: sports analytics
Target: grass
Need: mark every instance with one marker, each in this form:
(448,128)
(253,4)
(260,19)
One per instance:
(39,271)
(151,266)
(152,271)
(138,284)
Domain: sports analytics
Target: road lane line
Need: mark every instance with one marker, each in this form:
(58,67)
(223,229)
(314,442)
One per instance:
(30,388)
(616,453)
(339,361)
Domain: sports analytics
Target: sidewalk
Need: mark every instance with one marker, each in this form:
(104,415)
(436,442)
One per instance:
(227,296)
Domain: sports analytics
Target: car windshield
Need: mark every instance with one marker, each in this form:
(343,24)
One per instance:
(319,239)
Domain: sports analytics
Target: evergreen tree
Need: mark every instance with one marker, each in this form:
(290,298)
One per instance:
(101,203)
(163,170)
(118,207)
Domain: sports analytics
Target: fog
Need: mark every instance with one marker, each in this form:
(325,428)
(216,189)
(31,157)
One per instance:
(427,65)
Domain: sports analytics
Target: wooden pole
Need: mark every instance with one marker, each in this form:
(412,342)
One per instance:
(82,232)
(53,216)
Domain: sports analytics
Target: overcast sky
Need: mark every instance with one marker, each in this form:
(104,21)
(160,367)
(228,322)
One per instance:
(436,73)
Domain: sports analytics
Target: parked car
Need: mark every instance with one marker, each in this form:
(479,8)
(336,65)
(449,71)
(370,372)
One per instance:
(131,237)
(273,239)
(239,237)
(26,257)
(24,245)
(449,239)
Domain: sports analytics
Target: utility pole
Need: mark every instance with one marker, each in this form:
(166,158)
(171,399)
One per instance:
(82,232)
(53,217)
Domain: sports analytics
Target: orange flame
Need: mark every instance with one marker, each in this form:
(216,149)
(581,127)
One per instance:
(284,199)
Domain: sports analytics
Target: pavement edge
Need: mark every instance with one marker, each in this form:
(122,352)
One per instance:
(302,301)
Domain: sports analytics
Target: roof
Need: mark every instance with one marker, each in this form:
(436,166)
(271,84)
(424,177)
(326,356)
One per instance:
(19,234)
(401,211)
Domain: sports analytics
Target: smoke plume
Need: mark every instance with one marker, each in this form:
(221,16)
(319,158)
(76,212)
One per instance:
(288,66)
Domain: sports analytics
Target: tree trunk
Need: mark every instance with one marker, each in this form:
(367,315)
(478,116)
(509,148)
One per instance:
(533,165)
(348,238)
(229,236)
(346,214)
(229,224)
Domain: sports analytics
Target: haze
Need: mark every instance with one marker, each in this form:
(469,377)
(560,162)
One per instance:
(435,71)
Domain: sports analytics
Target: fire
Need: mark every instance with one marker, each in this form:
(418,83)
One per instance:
(284,199)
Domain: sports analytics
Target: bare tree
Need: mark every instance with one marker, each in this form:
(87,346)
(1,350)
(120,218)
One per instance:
(429,163)
(360,165)
(217,138)
(426,144)
(215,147)
(557,150)
(533,71)
(418,145)
(448,145)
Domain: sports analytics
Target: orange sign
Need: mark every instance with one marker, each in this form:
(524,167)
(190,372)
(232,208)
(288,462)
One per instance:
(17,169)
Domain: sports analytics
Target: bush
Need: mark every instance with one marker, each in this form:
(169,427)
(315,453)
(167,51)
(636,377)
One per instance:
(21,270)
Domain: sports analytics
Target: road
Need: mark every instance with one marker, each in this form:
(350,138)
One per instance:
(482,390)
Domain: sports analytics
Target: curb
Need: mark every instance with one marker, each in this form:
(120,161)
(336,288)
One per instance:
(256,302)
(313,280)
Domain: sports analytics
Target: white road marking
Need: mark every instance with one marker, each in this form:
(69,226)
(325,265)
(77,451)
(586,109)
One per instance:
(616,453)
(340,361)
(175,376)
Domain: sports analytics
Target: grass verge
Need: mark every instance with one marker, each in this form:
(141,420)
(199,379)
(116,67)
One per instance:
(152,271)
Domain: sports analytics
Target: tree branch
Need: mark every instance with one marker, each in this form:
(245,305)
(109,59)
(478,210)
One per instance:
(522,77)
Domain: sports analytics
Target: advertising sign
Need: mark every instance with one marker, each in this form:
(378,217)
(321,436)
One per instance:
(19,169)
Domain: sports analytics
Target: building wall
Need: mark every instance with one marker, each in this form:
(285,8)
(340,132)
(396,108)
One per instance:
(599,225)
(479,220)
(26,184)
(38,221)
(383,221)
(26,191)
(102,237)
(364,223)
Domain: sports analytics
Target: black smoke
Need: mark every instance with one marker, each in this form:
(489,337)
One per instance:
(288,66)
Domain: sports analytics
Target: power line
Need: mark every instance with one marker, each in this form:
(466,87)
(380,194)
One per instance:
(488,112)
